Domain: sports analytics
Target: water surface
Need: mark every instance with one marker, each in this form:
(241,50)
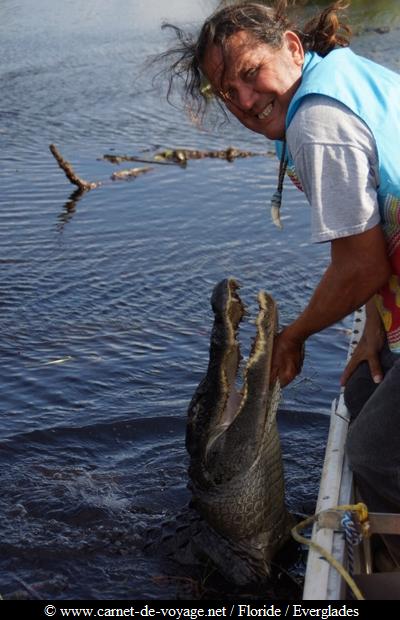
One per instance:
(105,315)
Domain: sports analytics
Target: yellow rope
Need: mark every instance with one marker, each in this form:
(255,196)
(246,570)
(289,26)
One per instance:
(362,513)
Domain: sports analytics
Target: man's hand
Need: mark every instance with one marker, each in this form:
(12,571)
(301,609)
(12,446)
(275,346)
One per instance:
(368,349)
(287,358)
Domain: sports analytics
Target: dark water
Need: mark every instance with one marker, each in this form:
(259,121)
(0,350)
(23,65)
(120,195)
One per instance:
(105,318)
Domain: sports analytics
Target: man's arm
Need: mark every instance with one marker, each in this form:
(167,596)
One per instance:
(359,267)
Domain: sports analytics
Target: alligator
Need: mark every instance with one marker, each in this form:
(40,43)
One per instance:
(235,470)
(182,155)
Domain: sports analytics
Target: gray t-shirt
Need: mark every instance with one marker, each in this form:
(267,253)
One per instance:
(336,160)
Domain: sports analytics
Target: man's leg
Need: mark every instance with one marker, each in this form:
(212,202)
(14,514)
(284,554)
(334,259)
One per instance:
(373,447)
(373,443)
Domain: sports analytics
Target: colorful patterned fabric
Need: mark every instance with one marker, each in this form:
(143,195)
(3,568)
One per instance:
(291,172)
(388,299)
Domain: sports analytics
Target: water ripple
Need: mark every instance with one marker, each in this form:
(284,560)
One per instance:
(105,312)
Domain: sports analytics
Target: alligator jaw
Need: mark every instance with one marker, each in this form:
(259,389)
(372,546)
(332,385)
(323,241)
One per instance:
(209,402)
(237,436)
(219,413)
(229,311)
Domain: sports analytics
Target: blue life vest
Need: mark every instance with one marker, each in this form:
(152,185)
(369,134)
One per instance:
(372,92)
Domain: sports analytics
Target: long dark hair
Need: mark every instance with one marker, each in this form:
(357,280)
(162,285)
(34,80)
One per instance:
(266,24)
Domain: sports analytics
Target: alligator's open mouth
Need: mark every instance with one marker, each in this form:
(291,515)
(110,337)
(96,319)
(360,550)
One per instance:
(229,311)
(224,420)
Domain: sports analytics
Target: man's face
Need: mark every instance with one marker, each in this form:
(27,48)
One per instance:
(255,81)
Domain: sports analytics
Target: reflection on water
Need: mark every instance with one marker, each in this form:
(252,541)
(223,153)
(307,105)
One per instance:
(114,284)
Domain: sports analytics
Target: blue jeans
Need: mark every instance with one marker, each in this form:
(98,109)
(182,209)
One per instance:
(373,444)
